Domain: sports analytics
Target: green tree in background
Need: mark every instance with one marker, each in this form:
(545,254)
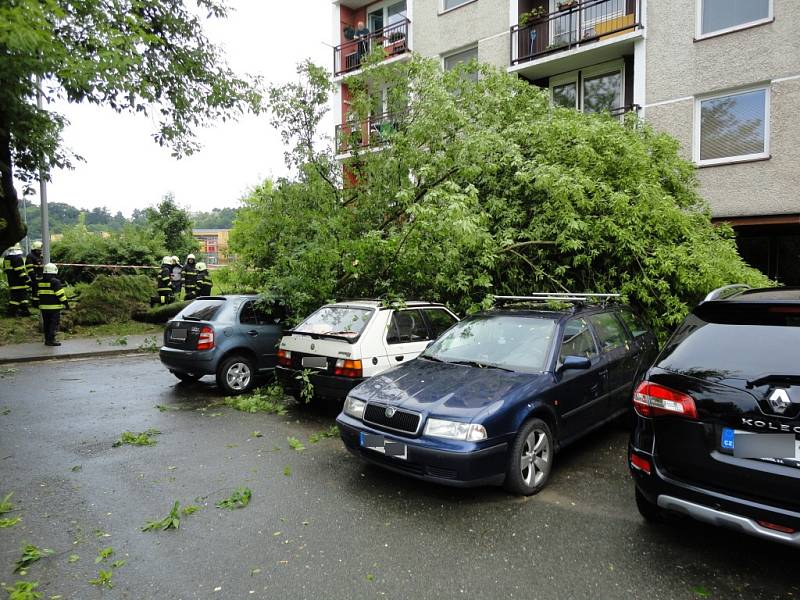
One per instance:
(142,56)
(174,226)
(481,188)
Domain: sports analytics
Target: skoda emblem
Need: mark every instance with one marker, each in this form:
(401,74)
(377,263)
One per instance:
(312,346)
(780,401)
(389,412)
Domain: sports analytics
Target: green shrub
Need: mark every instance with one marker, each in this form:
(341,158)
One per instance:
(160,314)
(112,298)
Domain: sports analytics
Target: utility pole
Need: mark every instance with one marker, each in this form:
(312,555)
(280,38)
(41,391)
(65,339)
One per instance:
(43,190)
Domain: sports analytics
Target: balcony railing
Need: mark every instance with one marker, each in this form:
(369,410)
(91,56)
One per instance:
(574,24)
(375,131)
(393,39)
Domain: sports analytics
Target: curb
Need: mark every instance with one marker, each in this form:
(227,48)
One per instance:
(65,356)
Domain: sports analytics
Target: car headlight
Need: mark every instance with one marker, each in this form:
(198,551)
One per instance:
(354,407)
(455,430)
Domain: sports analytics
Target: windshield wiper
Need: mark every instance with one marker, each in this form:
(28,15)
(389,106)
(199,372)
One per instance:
(433,358)
(480,365)
(762,379)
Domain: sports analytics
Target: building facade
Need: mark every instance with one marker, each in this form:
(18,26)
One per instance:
(721,76)
(213,245)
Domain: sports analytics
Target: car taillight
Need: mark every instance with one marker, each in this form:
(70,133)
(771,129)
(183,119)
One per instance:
(348,368)
(776,527)
(285,358)
(205,341)
(640,464)
(653,400)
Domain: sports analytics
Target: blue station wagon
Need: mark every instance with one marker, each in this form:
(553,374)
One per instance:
(499,393)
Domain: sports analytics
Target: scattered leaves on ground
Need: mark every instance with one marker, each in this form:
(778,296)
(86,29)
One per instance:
(9,522)
(30,554)
(5,504)
(118,563)
(145,438)
(257,434)
(295,444)
(103,579)
(5,411)
(238,499)
(332,431)
(73,558)
(150,344)
(701,592)
(171,521)
(76,468)
(23,590)
(165,408)
(270,400)
(287,470)
(189,510)
(103,554)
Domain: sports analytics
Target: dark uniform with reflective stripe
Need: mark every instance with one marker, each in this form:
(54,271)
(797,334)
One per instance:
(52,300)
(18,285)
(34,265)
(203,283)
(189,280)
(164,284)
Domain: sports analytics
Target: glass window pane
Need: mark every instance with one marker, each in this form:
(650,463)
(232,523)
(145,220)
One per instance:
(566,95)
(452,61)
(733,125)
(577,340)
(721,14)
(448,4)
(406,326)
(396,13)
(609,331)
(602,93)
(440,320)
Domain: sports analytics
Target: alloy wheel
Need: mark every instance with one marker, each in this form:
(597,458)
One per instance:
(238,376)
(535,458)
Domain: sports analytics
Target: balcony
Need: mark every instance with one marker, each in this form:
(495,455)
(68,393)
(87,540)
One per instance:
(392,39)
(574,25)
(370,133)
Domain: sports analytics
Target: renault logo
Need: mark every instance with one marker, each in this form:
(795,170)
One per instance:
(389,412)
(780,401)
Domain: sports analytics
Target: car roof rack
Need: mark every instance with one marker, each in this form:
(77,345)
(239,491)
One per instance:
(577,298)
(726,291)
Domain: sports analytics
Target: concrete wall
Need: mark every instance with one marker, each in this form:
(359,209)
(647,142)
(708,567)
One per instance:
(485,22)
(680,68)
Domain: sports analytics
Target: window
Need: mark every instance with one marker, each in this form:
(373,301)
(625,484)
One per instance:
(634,324)
(453,60)
(719,16)
(248,314)
(439,320)
(577,340)
(387,15)
(566,95)
(595,89)
(344,321)
(448,4)
(609,331)
(602,93)
(733,127)
(406,326)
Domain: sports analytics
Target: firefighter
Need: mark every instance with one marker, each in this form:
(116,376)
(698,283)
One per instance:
(34,265)
(19,283)
(176,277)
(190,278)
(52,300)
(164,281)
(203,280)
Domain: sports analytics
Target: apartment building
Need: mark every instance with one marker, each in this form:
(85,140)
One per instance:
(722,76)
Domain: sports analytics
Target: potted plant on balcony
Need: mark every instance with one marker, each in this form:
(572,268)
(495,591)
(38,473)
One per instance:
(567,4)
(532,16)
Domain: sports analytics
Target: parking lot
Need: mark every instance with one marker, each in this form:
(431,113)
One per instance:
(320,524)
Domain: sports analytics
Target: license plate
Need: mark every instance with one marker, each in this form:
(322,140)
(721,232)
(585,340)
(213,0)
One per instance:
(178,335)
(315,362)
(782,445)
(378,443)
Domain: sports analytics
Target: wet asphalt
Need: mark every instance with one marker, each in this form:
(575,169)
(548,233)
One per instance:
(333,527)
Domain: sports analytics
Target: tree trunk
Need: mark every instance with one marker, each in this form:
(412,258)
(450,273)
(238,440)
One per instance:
(12,229)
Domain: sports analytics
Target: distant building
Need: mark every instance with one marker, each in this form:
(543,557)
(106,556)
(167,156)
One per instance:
(213,245)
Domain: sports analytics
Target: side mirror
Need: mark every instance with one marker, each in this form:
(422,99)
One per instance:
(429,344)
(575,362)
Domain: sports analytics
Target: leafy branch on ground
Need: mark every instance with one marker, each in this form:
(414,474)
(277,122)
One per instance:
(171,521)
(150,344)
(238,499)
(331,432)
(5,504)
(269,400)
(103,554)
(23,590)
(145,438)
(9,522)
(103,579)
(295,444)
(189,510)
(30,554)
(306,387)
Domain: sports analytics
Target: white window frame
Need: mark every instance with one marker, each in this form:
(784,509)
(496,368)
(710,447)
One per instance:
(459,51)
(699,35)
(593,71)
(384,8)
(443,10)
(698,126)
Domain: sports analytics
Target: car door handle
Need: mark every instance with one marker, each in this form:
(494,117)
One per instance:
(252,332)
(603,373)
(399,358)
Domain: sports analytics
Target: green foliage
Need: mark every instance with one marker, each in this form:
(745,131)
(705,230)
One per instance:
(486,189)
(103,579)
(30,554)
(295,444)
(23,590)
(171,521)
(189,510)
(306,387)
(145,438)
(112,299)
(238,499)
(270,400)
(9,522)
(287,471)
(331,432)
(5,504)
(103,555)
(73,558)
(218,218)
(160,314)
(174,225)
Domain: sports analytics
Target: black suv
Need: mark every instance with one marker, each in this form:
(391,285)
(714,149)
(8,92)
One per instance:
(718,416)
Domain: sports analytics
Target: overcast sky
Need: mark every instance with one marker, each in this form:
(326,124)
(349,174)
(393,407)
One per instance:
(126,169)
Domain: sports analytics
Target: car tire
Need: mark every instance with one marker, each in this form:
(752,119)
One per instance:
(530,459)
(186,377)
(649,511)
(236,375)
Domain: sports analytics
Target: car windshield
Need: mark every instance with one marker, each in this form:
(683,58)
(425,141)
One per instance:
(518,343)
(202,310)
(344,321)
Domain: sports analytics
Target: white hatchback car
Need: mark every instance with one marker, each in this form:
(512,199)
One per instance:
(341,344)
